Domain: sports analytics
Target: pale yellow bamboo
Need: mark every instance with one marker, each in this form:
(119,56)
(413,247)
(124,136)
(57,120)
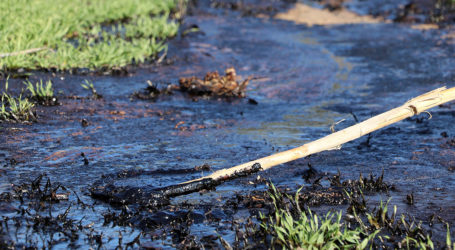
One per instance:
(332,141)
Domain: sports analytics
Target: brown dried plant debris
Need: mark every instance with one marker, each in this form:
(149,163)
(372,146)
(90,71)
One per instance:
(215,85)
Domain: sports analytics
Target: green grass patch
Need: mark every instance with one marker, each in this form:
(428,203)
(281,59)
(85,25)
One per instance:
(312,232)
(306,230)
(15,109)
(42,93)
(288,225)
(66,34)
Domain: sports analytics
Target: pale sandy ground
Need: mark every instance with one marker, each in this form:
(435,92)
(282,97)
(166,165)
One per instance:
(304,14)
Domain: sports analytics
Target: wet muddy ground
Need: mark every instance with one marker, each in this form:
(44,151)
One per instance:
(304,80)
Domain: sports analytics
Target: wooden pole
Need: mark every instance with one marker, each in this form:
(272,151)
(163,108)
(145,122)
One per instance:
(410,108)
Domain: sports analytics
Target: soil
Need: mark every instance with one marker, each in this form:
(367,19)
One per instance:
(305,14)
(306,78)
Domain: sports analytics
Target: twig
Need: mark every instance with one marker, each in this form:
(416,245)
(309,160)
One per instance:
(22,52)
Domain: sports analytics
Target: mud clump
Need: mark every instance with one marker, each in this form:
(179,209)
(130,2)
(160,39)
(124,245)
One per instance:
(215,85)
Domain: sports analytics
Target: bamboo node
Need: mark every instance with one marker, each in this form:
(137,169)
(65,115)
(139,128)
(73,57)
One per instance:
(413,109)
(425,101)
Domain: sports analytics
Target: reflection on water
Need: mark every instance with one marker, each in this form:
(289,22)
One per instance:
(343,78)
(296,127)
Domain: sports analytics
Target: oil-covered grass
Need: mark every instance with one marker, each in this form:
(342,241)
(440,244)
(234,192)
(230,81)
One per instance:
(66,34)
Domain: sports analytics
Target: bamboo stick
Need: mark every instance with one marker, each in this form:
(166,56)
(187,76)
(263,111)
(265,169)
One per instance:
(410,108)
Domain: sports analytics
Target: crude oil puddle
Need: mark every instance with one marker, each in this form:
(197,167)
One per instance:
(307,78)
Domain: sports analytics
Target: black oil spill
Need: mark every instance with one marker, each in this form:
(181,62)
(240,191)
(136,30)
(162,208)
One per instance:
(306,79)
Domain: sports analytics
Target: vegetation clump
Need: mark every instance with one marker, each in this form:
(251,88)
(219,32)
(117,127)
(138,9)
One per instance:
(43,94)
(83,34)
(215,85)
(290,223)
(16,109)
(89,86)
(303,229)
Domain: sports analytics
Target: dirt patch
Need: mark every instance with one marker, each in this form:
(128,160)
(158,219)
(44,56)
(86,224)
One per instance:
(304,14)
